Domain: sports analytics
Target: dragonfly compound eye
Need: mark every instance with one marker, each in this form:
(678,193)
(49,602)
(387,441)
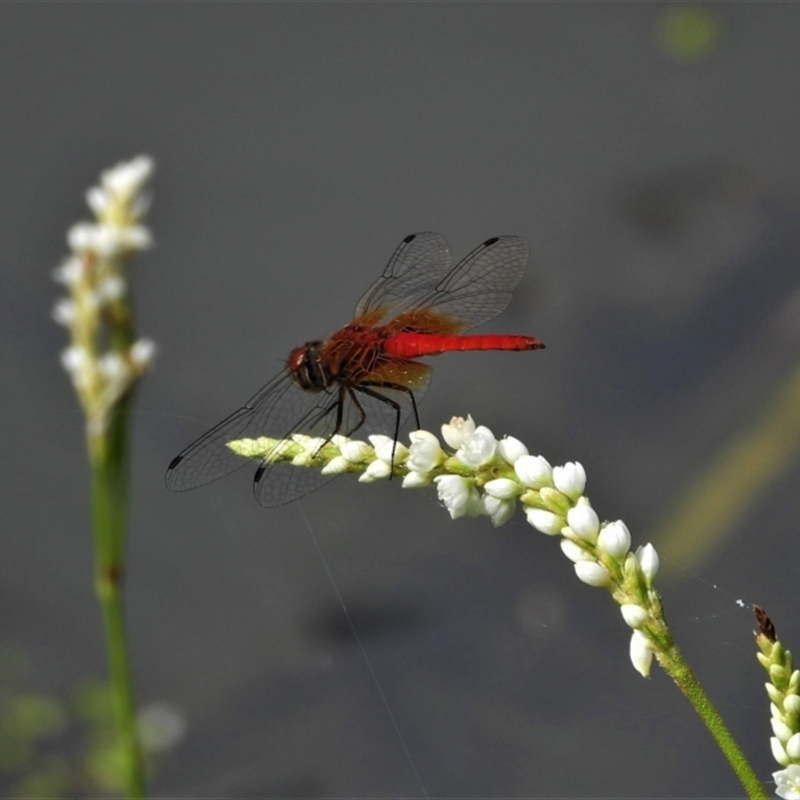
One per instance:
(305,367)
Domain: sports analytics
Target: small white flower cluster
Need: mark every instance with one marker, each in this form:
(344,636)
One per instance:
(94,275)
(485,476)
(783,689)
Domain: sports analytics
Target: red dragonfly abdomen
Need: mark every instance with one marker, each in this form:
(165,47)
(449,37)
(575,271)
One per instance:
(413,345)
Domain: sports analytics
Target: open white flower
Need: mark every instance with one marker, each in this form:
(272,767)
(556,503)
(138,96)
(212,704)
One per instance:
(457,431)
(425,452)
(455,492)
(498,510)
(388,450)
(478,448)
(787,782)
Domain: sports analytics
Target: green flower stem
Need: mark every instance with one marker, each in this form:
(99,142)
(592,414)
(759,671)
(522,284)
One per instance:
(675,665)
(108,456)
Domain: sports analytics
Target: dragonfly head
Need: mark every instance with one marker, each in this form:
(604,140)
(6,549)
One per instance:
(306,369)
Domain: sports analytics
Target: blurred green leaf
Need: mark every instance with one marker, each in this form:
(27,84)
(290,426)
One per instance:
(688,33)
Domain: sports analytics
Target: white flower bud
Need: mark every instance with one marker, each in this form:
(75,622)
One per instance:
(103,240)
(355,451)
(778,752)
(570,479)
(97,199)
(502,488)
(142,352)
(511,449)
(781,730)
(544,521)
(69,272)
(74,359)
(775,694)
(457,431)
(113,367)
(793,747)
(592,573)
(136,237)
(574,552)
(615,539)
(376,471)
(633,615)
(648,562)
(641,653)
(791,703)
(129,177)
(336,466)
(417,480)
(65,311)
(534,471)
(583,521)
(112,288)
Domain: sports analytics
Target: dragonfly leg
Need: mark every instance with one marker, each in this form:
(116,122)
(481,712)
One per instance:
(397,387)
(360,410)
(338,404)
(364,389)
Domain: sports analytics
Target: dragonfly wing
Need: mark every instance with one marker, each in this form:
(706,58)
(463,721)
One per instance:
(362,414)
(480,286)
(279,407)
(416,267)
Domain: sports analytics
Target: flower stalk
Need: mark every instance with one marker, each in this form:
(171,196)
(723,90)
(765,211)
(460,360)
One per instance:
(105,361)
(484,476)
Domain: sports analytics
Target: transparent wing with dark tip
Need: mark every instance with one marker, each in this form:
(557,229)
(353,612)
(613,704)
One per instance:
(279,410)
(481,285)
(420,261)
(275,409)
(419,277)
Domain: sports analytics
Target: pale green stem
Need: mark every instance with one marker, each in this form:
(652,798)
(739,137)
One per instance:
(675,665)
(108,457)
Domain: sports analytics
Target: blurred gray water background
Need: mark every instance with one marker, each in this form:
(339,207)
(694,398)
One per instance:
(649,153)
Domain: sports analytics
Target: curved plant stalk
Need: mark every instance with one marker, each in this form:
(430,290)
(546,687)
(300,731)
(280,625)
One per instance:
(105,360)
(484,476)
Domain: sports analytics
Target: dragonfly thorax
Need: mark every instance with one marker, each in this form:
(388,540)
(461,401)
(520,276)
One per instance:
(306,368)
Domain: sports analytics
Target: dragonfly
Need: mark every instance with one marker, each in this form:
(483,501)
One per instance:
(366,377)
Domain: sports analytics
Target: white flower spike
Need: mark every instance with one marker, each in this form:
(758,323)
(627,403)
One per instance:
(488,477)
